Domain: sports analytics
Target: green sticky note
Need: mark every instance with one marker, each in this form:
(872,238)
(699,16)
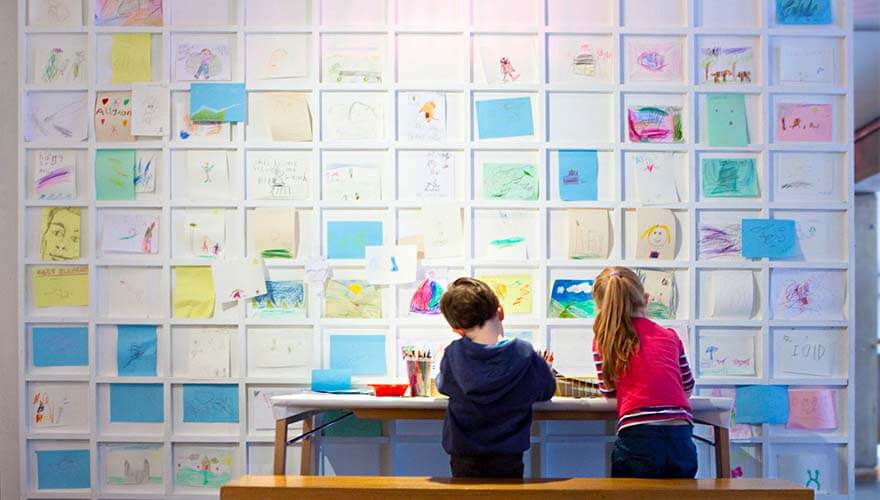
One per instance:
(350,426)
(510,181)
(729,178)
(114,174)
(726,119)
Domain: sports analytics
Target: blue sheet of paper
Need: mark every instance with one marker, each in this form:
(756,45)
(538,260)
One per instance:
(578,175)
(217,102)
(142,403)
(63,469)
(331,380)
(762,404)
(509,117)
(210,403)
(349,239)
(60,346)
(773,238)
(726,120)
(803,11)
(136,351)
(362,354)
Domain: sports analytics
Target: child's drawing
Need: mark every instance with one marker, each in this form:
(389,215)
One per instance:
(202,61)
(422,116)
(508,72)
(514,291)
(60,233)
(436,175)
(202,466)
(353,59)
(282,299)
(54,13)
(654,124)
(186,128)
(352,299)
(59,62)
(145,171)
(720,240)
(727,65)
(506,233)
(507,58)
(797,122)
(804,63)
(656,60)
(55,116)
(352,117)
(352,182)
(128,12)
(727,354)
(656,229)
(426,299)
(138,465)
(729,178)
(207,356)
(206,234)
(589,61)
(660,288)
(277,176)
(655,174)
(442,229)
(150,109)
(113,117)
(58,406)
(279,350)
(571,299)
(810,470)
(510,181)
(54,174)
(125,232)
(588,233)
(207,173)
(807,294)
(279,56)
(804,176)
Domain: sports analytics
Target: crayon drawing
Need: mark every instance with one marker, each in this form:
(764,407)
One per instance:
(351,117)
(54,174)
(660,288)
(436,175)
(727,65)
(588,233)
(277,175)
(426,299)
(59,62)
(656,230)
(797,122)
(513,291)
(202,61)
(186,128)
(571,299)
(728,354)
(60,233)
(352,299)
(127,465)
(352,182)
(590,62)
(729,178)
(202,466)
(282,299)
(352,59)
(807,294)
(146,163)
(54,13)
(130,233)
(63,469)
(422,116)
(509,181)
(113,117)
(803,11)
(720,240)
(210,403)
(656,60)
(654,124)
(58,406)
(128,12)
(217,102)
(55,116)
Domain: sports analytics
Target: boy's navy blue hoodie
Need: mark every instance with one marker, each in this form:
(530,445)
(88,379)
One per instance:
(491,390)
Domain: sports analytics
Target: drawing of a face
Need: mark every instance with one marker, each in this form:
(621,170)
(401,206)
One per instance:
(151,105)
(277,59)
(60,240)
(658,235)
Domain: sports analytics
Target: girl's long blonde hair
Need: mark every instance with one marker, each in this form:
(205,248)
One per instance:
(619,294)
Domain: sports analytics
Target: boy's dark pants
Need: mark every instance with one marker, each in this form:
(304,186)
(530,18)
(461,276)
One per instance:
(488,466)
(655,452)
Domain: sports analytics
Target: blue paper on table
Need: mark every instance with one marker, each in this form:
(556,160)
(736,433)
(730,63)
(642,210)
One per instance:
(509,117)
(331,380)
(63,469)
(136,350)
(210,403)
(142,403)
(61,346)
(349,239)
(762,404)
(362,354)
(578,175)
(217,102)
(803,11)
(773,238)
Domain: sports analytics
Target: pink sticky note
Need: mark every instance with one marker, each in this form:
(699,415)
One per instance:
(803,122)
(813,409)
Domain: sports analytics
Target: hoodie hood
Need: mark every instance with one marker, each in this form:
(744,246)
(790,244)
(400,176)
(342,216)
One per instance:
(487,373)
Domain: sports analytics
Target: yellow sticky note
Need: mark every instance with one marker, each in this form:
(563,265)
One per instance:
(514,291)
(61,286)
(193,292)
(130,58)
(60,233)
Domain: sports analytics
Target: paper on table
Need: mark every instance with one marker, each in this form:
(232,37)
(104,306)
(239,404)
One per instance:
(422,116)
(55,116)
(60,233)
(727,354)
(349,239)
(136,350)
(238,279)
(130,58)
(193,292)
(656,230)
(578,175)
(812,409)
(588,233)
(732,294)
(130,292)
(275,232)
(137,403)
(58,405)
(352,182)
(207,174)
(130,232)
(507,117)
(210,403)
(796,122)
(726,120)
(806,352)
(655,177)
(54,174)
(207,355)
(206,233)
(391,265)
(514,291)
(773,238)
(60,346)
(806,64)
(762,404)
(272,350)
(150,109)
(288,116)
(810,470)
(54,13)
(362,354)
(114,174)
(278,175)
(807,294)
(442,230)
(76,465)
(113,117)
(60,286)
(217,102)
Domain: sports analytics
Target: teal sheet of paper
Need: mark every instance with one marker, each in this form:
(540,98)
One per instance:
(803,11)
(114,174)
(63,469)
(773,238)
(218,102)
(141,403)
(510,181)
(509,117)
(578,175)
(362,354)
(762,404)
(350,426)
(726,120)
(349,239)
(210,403)
(136,350)
(60,346)
(729,178)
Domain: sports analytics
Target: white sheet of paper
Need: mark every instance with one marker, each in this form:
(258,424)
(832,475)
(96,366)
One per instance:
(278,175)
(655,177)
(347,59)
(353,116)
(508,59)
(133,464)
(150,109)
(60,116)
(130,292)
(127,232)
(728,354)
(59,60)
(55,13)
(819,234)
(442,230)
(588,232)
(199,12)
(804,176)
(811,470)
(263,417)
(807,294)
(238,279)
(507,234)
(274,228)
(802,64)
(146,167)
(430,176)
(806,352)
(200,58)
(733,294)
(275,13)
(278,350)
(391,265)
(271,57)
(422,116)
(186,129)
(54,174)
(207,174)
(206,234)
(59,406)
(207,355)
(352,182)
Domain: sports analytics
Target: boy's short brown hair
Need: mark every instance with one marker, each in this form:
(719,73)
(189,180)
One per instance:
(468,303)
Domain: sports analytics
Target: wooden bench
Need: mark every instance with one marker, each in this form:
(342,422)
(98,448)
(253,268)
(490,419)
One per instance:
(428,488)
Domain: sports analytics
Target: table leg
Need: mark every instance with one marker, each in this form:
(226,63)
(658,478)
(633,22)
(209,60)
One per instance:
(722,452)
(280,463)
(308,448)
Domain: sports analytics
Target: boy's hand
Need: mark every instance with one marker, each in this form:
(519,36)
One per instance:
(548,357)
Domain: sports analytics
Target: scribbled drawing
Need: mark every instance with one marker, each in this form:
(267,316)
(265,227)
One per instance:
(203,467)
(661,291)
(727,64)
(799,295)
(145,172)
(507,233)
(426,299)
(587,240)
(276,176)
(207,356)
(508,72)
(353,65)
(128,13)
(356,120)
(54,175)
(352,299)
(129,233)
(513,291)
(60,234)
(510,181)
(210,403)
(55,116)
(654,60)
(571,299)
(196,61)
(717,240)
(437,170)
(797,122)
(351,182)
(655,124)
(588,59)
(729,177)
(57,12)
(282,299)
(806,294)
(48,410)
(60,65)
(187,128)
(803,12)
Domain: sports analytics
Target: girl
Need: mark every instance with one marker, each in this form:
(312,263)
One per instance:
(644,366)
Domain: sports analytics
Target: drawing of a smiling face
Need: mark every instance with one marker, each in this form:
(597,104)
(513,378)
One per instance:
(658,236)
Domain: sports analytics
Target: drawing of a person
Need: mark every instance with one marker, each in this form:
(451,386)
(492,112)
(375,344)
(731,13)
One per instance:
(147,244)
(205,57)
(508,72)
(60,238)
(659,238)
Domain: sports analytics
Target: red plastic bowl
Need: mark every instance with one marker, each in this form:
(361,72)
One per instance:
(394,390)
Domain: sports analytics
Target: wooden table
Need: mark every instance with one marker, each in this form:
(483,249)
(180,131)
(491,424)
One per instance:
(307,406)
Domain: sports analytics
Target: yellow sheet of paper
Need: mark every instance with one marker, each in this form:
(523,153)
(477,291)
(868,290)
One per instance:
(61,286)
(193,292)
(288,116)
(275,232)
(130,58)
(514,291)
(60,233)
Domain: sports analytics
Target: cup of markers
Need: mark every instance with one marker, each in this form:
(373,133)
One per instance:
(418,370)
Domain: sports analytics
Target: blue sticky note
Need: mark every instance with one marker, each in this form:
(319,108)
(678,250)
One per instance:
(210,403)
(773,238)
(217,102)
(349,239)
(510,117)
(136,350)
(331,380)
(60,346)
(578,175)
(63,469)
(143,403)
(362,354)
(803,11)
(762,404)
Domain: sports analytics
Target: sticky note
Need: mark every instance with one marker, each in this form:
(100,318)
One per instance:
(729,178)
(63,286)
(803,11)
(510,117)
(210,403)
(218,102)
(349,239)
(142,403)
(812,409)
(60,346)
(193,292)
(114,174)
(136,350)
(762,404)
(578,175)
(331,380)
(362,354)
(726,120)
(130,58)
(63,469)
(773,238)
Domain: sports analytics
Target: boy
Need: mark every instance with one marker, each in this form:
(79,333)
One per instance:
(491,382)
